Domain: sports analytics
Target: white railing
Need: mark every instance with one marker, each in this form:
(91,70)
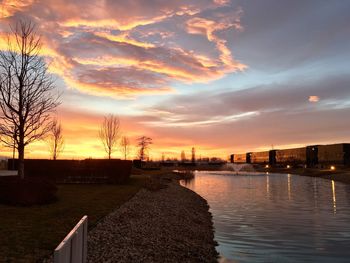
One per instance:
(73,248)
(8,173)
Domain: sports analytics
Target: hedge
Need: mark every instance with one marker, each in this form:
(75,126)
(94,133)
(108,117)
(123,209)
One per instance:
(81,171)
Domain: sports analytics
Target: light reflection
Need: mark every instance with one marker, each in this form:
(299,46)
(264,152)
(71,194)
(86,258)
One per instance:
(289,187)
(315,190)
(268,185)
(334,198)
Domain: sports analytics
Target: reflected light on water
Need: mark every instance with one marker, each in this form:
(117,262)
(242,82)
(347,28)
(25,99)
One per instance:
(334,198)
(288,186)
(267,185)
(315,190)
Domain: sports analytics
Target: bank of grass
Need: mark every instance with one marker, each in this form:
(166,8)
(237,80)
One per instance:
(29,234)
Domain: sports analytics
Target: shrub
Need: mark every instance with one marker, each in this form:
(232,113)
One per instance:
(25,192)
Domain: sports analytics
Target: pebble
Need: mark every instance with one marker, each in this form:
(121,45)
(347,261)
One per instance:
(169,225)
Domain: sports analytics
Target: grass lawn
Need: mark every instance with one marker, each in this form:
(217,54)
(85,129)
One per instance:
(28,234)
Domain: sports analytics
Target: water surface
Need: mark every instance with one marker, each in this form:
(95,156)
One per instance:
(277,217)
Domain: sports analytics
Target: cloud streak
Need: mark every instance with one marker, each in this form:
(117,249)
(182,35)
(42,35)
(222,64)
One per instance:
(277,114)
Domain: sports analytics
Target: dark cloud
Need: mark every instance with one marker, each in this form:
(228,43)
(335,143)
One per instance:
(280,35)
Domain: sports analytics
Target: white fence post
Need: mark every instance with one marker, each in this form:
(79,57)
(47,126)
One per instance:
(73,248)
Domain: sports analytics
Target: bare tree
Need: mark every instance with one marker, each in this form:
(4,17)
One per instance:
(125,146)
(56,140)
(109,133)
(26,91)
(143,143)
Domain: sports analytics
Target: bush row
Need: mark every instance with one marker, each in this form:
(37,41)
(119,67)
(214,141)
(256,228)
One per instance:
(90,170)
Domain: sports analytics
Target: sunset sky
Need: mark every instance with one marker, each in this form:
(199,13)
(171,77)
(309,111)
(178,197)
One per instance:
(222,76)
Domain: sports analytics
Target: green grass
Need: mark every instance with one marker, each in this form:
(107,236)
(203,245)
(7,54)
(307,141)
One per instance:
(29,234)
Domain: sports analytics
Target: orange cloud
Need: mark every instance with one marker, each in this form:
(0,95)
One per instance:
(222,2)
(114,91)
(109,23)
(208,28)
(154,66)
(62,67)
(314,98)
(10,7)
(124,38)
(107,37)
(5,39)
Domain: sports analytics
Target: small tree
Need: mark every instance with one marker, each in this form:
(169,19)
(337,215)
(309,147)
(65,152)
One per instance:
(26,98)
(125,146)
(109,133)
(56,140)
(183,156)
(143,143)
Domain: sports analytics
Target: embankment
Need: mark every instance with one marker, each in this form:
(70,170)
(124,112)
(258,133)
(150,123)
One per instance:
(172,224)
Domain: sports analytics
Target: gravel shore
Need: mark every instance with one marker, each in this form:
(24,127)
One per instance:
(169,225)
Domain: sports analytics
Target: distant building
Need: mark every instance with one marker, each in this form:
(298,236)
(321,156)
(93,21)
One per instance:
(312,155)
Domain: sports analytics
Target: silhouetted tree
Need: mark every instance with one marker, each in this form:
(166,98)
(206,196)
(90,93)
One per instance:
(109,133)
(183,156)
(193,159)
(143,143)
(56,140)
(125,146)
(26,91)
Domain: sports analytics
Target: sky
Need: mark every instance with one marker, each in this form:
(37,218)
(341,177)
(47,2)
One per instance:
(223,76)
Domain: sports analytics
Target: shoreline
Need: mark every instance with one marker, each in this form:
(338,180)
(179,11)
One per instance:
(339,175)
(172,224)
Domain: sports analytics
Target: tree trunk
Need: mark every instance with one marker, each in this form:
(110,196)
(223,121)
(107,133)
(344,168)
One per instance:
(21,161)
(55,150)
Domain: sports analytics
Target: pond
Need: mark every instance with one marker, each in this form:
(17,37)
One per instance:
(276,217)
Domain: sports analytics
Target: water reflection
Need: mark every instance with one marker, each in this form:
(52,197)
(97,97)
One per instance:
(334,198)
(288,175)
(277,218)
(315,190)
(268,184)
